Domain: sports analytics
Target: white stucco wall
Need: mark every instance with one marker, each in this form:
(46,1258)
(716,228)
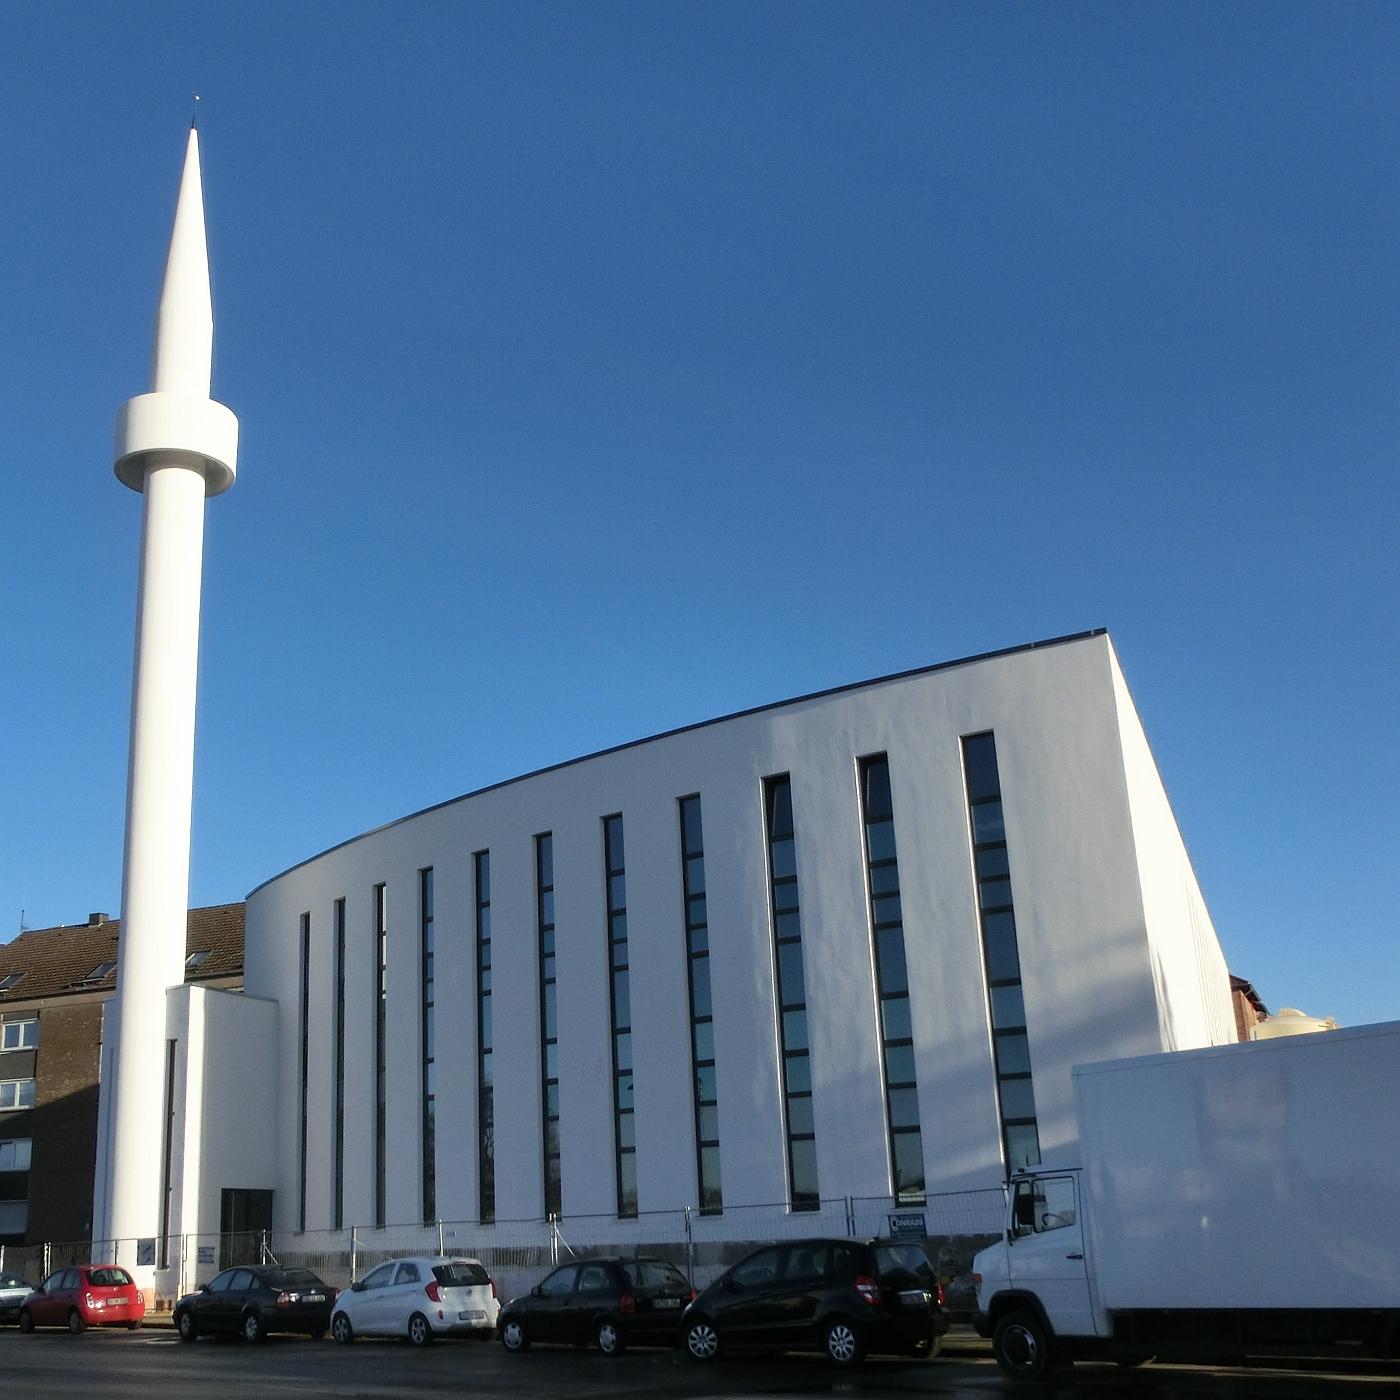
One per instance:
(1092,959)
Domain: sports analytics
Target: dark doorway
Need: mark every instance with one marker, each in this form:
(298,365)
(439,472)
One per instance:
(245,1219)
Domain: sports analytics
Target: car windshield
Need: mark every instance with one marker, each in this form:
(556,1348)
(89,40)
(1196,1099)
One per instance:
(653,1273)
(906,1259)
(293,1278)
(460,1274)
(109,1278)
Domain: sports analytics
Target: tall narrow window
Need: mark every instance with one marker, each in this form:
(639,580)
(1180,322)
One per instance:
(304,1064)
(427,1032)
(892,981)
(702,1021)
(167,1191)
(792,996)
(549,1027)
(1001,956)
(338,1168)
(624,1119)
(381,967)
(485,1079)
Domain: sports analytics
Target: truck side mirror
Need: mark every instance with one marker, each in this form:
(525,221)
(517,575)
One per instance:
(1023,1212)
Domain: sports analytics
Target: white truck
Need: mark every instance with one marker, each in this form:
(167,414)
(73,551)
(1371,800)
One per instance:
(1238,1200)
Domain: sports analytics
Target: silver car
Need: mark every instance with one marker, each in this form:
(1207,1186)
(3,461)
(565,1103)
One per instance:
(13,1291)
(419,1298)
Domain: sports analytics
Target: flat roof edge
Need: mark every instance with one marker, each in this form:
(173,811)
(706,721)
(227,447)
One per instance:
(687,729)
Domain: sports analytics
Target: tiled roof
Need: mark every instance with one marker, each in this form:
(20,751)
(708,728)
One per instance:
(55,961)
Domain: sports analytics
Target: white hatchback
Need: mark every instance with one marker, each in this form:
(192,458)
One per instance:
(419,1298)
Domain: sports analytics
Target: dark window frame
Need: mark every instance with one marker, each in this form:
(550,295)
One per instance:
(695,915)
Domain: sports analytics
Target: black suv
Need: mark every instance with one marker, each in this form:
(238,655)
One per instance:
(846,1297)
(609,1302)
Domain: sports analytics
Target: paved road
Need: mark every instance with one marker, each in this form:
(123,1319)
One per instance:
(121,1366)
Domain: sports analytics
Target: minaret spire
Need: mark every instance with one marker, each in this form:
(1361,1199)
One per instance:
(176,446)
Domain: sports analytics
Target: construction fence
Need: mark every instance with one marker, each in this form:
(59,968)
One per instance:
(951,1227)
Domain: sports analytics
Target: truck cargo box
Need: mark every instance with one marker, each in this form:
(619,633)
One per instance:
(1262,1175)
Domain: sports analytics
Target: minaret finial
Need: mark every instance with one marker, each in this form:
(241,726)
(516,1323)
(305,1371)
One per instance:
(194,113)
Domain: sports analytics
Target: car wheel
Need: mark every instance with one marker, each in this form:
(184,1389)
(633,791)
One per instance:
(514,1337)
(420,1332)
(26,1322)
(842,1343)
(186,1326)
(75,1322)
(607,1336)
(341,1330)
(1023,1346)
(701,1340)
(253,1329)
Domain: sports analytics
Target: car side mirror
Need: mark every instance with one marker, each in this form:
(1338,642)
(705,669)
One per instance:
(732,1285)
(537,1292)
(358,1286)
(204,1288)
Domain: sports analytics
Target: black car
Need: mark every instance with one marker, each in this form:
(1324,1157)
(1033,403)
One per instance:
(606,1302)
(252,1301)
(845,1297)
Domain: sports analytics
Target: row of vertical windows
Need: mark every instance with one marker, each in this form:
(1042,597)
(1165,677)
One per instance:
(892,981)
(992,869)
(425,907)
(167,1175)
(304,1066)
(702,1021)
(620,1000)
(338,1152)
(486,1108)
(784,900)
(997,920)
(381,966)
(549,1019)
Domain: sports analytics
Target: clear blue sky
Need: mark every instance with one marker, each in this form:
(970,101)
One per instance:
(603,368)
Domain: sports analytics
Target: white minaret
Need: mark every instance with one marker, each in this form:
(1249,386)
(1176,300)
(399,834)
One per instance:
(176,446)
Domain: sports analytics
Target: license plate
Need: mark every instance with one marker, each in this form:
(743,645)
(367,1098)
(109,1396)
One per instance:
(471,1317)
(667,1303)
(313,1297)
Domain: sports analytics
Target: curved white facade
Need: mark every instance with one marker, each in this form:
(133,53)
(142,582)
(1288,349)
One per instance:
(1117,953)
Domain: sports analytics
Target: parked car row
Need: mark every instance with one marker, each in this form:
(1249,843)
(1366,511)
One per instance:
(847,1298)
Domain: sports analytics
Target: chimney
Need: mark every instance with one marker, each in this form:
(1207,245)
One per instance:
(96,920)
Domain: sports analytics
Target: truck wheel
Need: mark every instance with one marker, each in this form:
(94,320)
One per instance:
(1023,1346)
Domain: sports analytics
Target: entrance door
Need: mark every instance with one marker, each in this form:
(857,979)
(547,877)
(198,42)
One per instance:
(244,1217)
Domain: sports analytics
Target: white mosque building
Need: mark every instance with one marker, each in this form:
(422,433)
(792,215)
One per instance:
(845,946)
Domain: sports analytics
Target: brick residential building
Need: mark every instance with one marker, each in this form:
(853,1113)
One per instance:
(53,982)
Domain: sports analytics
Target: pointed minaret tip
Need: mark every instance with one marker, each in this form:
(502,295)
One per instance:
(194,112)
(185,322)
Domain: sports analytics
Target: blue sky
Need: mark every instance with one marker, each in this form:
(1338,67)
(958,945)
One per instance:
(604,368)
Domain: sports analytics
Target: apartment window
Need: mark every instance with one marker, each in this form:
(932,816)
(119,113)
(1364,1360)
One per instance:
(549,1023)
(1000,954)
(338,1165)
(624,1117)
(15,1154)
(14,1217)
(786,914)
(304,1061)
(101,972)
(425,907)
(702,1021)
(9,980)
(892,981)
(196,959)
(16,1093)
(485,1077)
(381,968)
(19,1035)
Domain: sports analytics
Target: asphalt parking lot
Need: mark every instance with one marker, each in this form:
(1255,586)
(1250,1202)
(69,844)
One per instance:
(122,1366)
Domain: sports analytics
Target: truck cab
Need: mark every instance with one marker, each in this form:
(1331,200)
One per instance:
(1034,1287)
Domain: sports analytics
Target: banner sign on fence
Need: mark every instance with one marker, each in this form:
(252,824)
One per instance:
(908,1225)
(206,1254)
(145,1253)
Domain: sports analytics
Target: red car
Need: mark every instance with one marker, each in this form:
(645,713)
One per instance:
(87,1295)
